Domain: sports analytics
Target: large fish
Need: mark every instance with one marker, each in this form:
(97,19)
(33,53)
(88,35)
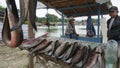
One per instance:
(61,49)
(23,13)
(11,38)
(28,10)
(55,45)
(101,59)
(41,46)
(70,52)
(47,49)
(78,56)
(33,43)
(86,55)
(93,58)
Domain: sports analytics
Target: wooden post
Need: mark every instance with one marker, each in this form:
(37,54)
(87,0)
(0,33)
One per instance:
(31,61)
(31,33)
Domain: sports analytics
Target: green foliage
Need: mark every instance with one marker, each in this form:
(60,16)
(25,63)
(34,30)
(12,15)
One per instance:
(65,20)
(51,18)
(95,20)
(2,8)
(41,20)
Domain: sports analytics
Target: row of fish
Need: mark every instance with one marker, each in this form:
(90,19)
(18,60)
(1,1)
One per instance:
(90,58)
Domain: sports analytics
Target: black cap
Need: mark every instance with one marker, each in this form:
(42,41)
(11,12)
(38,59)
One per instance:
(113,8)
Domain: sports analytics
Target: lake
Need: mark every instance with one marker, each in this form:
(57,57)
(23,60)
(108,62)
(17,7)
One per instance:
(54,30)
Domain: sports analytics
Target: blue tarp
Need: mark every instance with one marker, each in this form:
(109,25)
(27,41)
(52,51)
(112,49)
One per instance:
(90,27)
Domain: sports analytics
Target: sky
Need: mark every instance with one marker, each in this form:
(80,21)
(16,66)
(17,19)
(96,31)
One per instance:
(43,12)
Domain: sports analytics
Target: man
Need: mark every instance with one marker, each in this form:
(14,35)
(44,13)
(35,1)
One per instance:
(70,29)
(113,24)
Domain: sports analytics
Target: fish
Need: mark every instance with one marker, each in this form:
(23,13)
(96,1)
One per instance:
(23,14)
(32,13)
(11,38)
(28,11)
(61,49)
(33,43)
(101,59)
(55,45)
(47,49)
(70,52)
(41,47)
(93,58)
(79,55)
(86,55)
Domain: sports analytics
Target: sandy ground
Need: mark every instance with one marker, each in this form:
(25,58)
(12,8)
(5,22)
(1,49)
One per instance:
(15,58)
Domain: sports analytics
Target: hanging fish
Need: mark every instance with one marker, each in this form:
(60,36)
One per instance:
(28,10)
(11,38)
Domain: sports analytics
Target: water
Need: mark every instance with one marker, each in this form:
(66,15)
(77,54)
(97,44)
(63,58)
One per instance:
(55,31)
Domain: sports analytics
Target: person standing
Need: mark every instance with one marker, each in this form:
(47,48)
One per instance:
(113,24)
(113,33)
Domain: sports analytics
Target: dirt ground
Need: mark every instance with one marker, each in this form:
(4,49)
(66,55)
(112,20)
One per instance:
(12,57)
(16,58)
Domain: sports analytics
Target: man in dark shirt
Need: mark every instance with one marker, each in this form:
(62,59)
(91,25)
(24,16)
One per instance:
(113,24)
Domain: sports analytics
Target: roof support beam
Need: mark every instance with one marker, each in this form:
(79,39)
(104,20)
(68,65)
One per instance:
(85,14)
(89,7)
(69,5)
(59,1)
(75,7)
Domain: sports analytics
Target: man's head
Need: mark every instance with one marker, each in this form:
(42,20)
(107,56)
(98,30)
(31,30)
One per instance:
(71,19)
(113,11)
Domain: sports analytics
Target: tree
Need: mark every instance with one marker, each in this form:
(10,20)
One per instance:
(2,8)
(52,18)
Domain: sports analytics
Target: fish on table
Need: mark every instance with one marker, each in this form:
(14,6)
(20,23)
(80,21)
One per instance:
(86,55)
(79,55)
(55,45)
(70,52)
(40,47)
(95,59)
(61,49)
(32,43)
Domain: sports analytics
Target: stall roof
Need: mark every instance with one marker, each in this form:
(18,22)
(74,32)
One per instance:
(77,8)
